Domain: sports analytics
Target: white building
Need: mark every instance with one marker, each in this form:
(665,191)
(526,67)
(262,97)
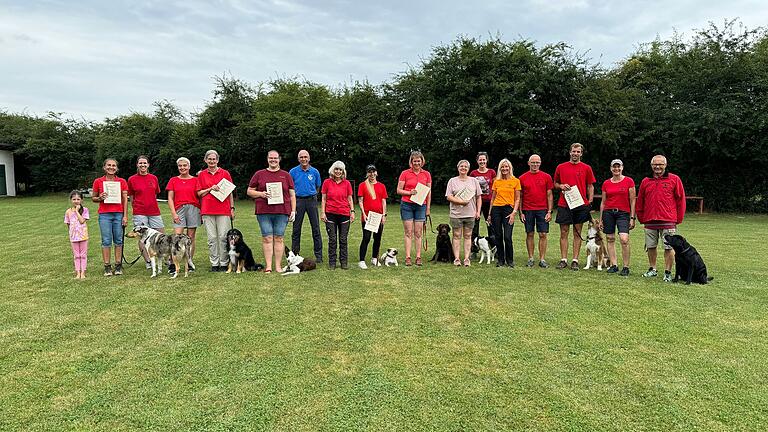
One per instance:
(7,178)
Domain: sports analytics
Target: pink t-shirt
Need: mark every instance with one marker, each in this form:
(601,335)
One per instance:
(486,181)
(184,191)
(144,189)
(455,185)
(336,196)
(77,231)
(410,179)
(617,194)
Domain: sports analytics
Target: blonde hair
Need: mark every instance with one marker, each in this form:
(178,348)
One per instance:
(416,154)
(461,162)
(511,169)
(338,164)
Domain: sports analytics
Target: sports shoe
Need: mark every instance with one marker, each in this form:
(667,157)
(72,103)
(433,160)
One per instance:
(191,266)
(575,265)
(344,265)
(214,269)
(107,270)
(375,262)
(511,264)
(118,269)
(667,276)
(362,265)
(171,268)
(529,263)
(418,261)
(651,272)
(543,264)
(624,271)
(562,264)
(612,269)
(407,261)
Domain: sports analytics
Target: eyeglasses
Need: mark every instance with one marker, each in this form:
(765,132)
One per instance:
(659,165)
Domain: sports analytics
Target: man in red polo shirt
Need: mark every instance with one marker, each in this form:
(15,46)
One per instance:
(536,188)
(573,173)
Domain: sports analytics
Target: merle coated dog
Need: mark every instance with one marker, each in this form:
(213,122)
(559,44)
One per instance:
(240,255)
(689,265)
(443,247)
(162,246)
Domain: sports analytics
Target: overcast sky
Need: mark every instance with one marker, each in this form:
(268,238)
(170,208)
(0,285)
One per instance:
(94,58)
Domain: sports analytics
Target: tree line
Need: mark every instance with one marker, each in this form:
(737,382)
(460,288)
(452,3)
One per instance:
(700,101)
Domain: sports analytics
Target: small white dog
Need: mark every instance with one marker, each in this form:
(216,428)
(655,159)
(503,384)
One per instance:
(596,251)
(297,264)
(390,257)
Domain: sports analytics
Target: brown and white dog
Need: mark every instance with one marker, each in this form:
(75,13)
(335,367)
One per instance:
(597,254)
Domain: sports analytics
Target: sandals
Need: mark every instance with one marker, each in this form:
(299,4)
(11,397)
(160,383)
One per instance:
(407,261)
(418,261)
(267,271)
(457,262)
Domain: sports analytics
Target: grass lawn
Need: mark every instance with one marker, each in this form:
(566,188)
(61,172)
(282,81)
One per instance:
(431,348)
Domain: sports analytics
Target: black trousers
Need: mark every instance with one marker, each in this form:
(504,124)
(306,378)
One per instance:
(337,227)
(308,206)
(485,209)
(367,239)
(503,230)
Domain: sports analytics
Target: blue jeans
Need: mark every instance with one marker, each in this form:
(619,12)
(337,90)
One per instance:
(111,228)
(272,224)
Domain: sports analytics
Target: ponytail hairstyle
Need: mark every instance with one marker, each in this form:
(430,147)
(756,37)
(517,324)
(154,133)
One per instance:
(77,193)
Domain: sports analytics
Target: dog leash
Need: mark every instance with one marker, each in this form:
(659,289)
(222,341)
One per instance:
(122,256)
(424,241)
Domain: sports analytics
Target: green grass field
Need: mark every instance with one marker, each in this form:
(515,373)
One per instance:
(431,348)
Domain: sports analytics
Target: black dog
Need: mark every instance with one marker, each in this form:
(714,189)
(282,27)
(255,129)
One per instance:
(443,248)
(240,255)
(689,265)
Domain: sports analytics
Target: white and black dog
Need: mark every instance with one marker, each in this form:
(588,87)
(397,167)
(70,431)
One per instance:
(240,255)
(162,246)
(486,246)
(389,258)
(297,263)
(597,254)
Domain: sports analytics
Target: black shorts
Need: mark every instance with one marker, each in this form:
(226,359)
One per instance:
(535,219)
(579,215)
(615,218)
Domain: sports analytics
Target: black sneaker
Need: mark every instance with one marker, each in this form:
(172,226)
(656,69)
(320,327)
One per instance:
(214,269)
(613,269)
(344,266)
(171,268)
(223,269)
(562,264)
(107,270)
(575,265)
(191,266)
(500,264)
(624,271)
(118,269)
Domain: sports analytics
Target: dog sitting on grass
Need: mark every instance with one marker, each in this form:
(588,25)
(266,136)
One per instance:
(443,247)
(689,265)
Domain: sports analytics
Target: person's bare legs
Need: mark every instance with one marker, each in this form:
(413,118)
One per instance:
(542,246)
(268,248)
(611,246)
(652,257)
(467,242)
(669,259)
(408,235)
(279,248)
(418,228)
(455,243)
(576,241)
(624,239)
(529,244)
(564,228)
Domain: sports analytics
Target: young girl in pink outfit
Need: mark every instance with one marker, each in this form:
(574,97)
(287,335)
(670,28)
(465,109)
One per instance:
(76,217)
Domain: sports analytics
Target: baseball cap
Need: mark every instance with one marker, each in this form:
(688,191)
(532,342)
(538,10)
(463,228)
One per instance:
(617,162)
(370,168)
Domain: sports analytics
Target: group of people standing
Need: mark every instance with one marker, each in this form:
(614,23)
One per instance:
(495,197)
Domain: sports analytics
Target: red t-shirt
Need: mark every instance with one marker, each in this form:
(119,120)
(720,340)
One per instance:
(209,204)
(98,188)
(336,196)
(369,203)
(144,189)
(578,174)
(486,182)
(535,187)
(410,179)
(259,182)
(617,194)
(184,191)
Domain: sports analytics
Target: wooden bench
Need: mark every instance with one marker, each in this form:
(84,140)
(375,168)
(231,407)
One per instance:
(700,200)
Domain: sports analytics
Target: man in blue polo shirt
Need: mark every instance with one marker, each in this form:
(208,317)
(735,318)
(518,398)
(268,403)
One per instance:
(307,182)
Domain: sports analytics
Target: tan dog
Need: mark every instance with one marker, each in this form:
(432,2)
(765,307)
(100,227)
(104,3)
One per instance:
(597,254)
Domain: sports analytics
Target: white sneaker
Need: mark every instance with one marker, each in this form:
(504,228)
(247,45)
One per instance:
(375,262)
(362,265)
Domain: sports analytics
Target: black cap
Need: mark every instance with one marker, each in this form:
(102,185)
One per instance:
(370,168)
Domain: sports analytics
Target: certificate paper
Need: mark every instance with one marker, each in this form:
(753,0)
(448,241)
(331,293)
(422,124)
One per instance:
(275,191)
(573,197)
(112,188)
(225,188)
(421,194)
(465,194)
(373,221)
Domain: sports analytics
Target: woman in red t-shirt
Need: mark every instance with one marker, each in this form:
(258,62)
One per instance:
(217,215)
(372,197)
(617,210)
(113,200)
(412,214)
(485,176)
(337,211)
(184,203)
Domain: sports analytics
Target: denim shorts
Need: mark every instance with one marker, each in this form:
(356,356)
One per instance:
(412,212)
(111,228)
(153,222)
(272,224)
(536,219)
(613,219)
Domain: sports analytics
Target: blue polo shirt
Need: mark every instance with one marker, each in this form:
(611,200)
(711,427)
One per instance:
(306,182)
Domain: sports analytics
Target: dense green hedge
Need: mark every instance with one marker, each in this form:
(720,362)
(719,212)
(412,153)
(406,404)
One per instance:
(702,102)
